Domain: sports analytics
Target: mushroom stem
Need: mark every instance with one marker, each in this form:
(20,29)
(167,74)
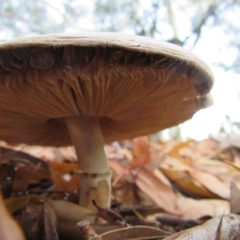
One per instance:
(95,175)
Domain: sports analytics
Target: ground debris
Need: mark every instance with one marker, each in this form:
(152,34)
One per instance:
(167,190)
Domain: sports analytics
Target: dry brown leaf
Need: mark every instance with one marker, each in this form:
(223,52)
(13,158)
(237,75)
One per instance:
(109,215)
(211,166)
(117,167)
(128,195)
(163,178)
(23,177)
(6,179)
(219,228)
(224,172)
(136,232)
(209,181)
(179,173)
(87,232)
(141,153)
(17,156)
(209,230)
(63,167)
(119,170)
(235,164)
(175,222)
(58,170)
(39,221)
(67,214)
(174,163)
(175,150)
(50,222)
(70,212)
(60,183)
(197,208)
(235,199)
(9,229)
(206,147)
(187,183)
(212,183)
(74,183)
(160,193)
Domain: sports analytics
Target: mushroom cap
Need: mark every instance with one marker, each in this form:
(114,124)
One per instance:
(134,85)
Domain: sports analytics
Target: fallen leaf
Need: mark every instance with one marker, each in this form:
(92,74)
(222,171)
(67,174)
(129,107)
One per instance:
(23,177)
(141,153)
(67,214)
(136,232)
(63,167)
(87,232)
(229,229)
(198,208)
(187,183)
(6,179)
(160,193)
(212,183)
(235,199)
(176,222)
(39,220)
(109,215)
(209,181)
(9,229)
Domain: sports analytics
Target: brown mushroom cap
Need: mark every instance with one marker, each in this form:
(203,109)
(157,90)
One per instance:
(134,85)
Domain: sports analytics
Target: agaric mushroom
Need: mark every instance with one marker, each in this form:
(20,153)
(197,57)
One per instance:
(94,88)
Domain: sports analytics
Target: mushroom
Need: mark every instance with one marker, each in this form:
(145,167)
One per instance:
(88,89)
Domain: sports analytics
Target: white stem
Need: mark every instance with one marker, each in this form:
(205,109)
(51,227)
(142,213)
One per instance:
(95,171)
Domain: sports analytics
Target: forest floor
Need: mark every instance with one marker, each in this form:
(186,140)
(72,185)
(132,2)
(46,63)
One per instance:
(161,190)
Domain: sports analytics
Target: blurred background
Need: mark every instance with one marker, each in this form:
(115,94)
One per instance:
(209,28)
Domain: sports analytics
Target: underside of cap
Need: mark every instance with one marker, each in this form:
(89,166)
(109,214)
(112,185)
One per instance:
(133,85)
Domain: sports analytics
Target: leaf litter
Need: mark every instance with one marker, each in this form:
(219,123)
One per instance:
(161,190)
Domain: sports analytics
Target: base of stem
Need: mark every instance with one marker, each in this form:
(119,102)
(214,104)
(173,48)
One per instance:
(95,186)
